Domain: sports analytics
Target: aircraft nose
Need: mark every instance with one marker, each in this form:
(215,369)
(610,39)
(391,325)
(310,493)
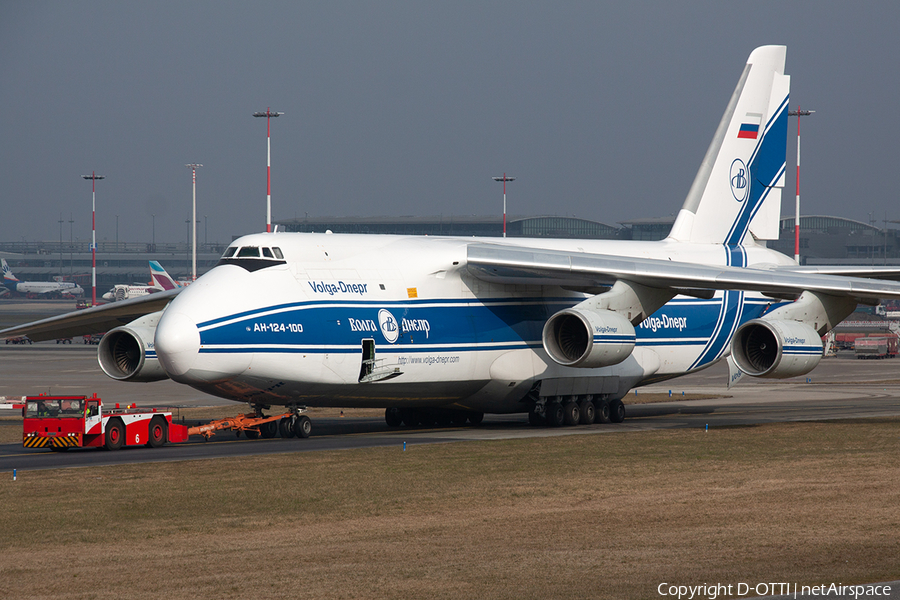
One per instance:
(177,343)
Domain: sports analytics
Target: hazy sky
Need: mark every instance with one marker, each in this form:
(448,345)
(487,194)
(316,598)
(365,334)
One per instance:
(600,110)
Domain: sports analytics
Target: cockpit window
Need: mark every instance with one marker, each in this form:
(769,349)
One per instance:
(252,258)
(249,252)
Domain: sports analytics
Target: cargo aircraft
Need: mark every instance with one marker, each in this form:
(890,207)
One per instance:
(445,329)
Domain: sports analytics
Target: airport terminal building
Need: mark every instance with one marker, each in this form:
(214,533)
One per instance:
(823,240)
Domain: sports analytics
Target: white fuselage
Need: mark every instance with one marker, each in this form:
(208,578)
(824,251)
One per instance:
(65,288)
(297,330)
(124,292)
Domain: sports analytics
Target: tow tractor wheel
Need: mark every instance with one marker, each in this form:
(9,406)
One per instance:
(251,434)
(586,408)
(302,426)
(286,427)
(616,411)
(158,433)
(115,434)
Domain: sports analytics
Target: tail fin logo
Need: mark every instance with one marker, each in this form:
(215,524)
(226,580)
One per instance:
(7,272)
(740,185)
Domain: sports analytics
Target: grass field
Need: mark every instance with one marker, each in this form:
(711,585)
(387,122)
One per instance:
(587,516)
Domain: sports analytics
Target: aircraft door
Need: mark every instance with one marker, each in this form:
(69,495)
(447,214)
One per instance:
(368,359)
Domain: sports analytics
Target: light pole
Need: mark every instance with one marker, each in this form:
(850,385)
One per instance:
(504,179)
(268,115)
(61,221)
(71,244)
(153,243)
(798,113)
(93,177)
(193,167)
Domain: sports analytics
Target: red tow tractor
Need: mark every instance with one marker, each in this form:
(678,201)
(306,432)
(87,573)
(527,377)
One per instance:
(63,422)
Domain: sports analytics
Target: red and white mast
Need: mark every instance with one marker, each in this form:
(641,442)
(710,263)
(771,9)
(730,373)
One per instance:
(798,113)
(504,179)
(93,177)
(268,115)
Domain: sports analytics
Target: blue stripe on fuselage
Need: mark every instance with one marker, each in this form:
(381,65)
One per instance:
(455,326)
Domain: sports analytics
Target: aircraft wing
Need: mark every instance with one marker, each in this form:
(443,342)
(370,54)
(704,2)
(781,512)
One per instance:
(533,266)
(872,272)
(98,319)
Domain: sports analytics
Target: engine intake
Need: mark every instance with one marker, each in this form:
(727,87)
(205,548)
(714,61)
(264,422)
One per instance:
(776,349)
(126,353)
(578,337)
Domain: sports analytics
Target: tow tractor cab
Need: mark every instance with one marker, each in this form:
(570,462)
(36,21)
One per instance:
(63,422)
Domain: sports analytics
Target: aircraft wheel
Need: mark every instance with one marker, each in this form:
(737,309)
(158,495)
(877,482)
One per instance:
(475,418)
(443,418)
(458,418)
(286,427)
(534,418)
(616,411)
(392,417)
(571,414)
(410,417)
(586,408)
(554,414)
(601,411)
(303,427)
(269,429)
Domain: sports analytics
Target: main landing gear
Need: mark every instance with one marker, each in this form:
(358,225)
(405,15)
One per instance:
(559,411)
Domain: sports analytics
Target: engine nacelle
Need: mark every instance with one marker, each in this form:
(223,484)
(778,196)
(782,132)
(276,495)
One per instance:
(582,337)
(127,353)
(776,349)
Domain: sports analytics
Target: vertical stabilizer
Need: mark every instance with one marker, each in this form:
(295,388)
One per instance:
(738,187)
(7,273)
(159,278)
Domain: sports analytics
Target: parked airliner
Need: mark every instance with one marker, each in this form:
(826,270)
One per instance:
(447,329)
(159,280)
(46,289)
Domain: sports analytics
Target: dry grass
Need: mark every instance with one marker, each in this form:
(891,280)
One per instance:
(592,516)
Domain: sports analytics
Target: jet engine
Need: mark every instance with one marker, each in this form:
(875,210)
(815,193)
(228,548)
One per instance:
(126,353)
(776,349)
(583,337)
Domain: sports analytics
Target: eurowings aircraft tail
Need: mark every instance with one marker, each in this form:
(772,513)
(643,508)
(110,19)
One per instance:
(160,278)
(7,273)
(738,187)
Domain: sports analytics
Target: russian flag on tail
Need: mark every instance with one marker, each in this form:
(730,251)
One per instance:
(749,129)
